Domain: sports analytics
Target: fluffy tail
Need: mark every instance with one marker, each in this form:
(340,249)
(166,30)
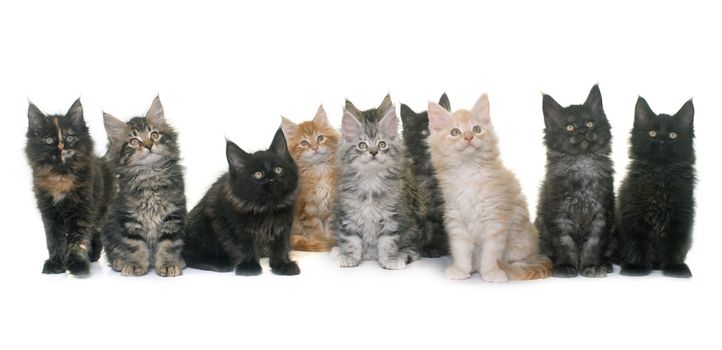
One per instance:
(299,242)
(524,270)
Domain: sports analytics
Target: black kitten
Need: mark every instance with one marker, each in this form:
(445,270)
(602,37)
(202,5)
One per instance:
(576,201)
(247,214)
(423,197)
(72,186)
(656,200)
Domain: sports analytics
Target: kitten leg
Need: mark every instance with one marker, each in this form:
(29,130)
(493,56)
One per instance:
(132,253)
(96,246)
(492,251)
(349,243)
(248,259)
(168,260)
(388,250)
(462,252)
(675,247)
(591,263)
(566,258)
(56,243)
(635,248)
(279,260)
(79,238)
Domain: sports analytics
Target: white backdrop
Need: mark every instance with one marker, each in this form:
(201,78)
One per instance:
(232,69)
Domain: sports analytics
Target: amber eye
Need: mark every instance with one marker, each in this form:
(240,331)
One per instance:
(455,132)
(476,129)
(363,146)
(154,135)
(570,127)
(590,124)
(320,138)
(134,142)
(49,140)
(278,170)
(652,133)
(305,143)
(673,135)
(258,175)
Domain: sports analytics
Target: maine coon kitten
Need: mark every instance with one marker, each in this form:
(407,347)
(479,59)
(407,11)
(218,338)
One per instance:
(575,213)
(247,214)
(146,220)
(485,213)
(370,221)
(423,197)
(72,187)
(313,145)
(655,210)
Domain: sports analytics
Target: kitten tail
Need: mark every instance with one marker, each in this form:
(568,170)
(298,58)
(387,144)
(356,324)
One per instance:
(305,244)
(523,270)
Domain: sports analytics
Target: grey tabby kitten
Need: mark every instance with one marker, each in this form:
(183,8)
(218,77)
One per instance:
(369,220)
(147,219)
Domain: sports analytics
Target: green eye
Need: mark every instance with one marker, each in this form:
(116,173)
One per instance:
(305,143)
(570,127)
(258,175)
(652,133)
(48,140)
(363,146)
(476,129)
(134,142)
(278,170)
(382,145)
(455,132)
(673,135)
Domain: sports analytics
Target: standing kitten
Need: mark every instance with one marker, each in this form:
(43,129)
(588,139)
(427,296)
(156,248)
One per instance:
(423,197)
(370,220)
(655,212)
(313,145)
(72,187)
(146,221)
(485,213)
(247,214)
(576,202)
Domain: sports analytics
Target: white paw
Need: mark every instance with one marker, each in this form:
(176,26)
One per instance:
(495,276)
(455,273)
(393,264)
(348,261)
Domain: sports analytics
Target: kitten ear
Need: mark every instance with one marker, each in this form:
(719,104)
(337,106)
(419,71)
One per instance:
(407,114)
(594,101)
(389,123)
(289,128)
(156,115)
(385,106)
(351,127)
(552,111)
(444,102)
(75,115)
(321,119)
(481,108)
(685,115)
(279,145)
(236,156)
(36,118)
(643,114)
(439,117)
(114,127)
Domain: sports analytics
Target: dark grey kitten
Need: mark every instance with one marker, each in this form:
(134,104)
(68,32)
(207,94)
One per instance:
(576,201)
(370,222)
(147,218)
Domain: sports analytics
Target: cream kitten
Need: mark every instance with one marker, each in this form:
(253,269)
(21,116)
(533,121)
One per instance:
(486,214)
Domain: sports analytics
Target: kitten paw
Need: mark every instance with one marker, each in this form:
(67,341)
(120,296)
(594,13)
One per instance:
(252,268)
(495,276)
(594,271)
(455,273)
(348,261)
(133,270)
(609,267)
(53,267)
(677,270)
(286,269)
(429,252)
(564,271)
(169,270)
(78,266)
(635,270)
(398,263)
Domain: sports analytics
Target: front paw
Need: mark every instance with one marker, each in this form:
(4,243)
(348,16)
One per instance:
(53,267)
(677,270)
(133,270)
(564,271)
(595,271)
(398,263)
(78,266)
(169,269)
(455,273)
(348,261)
(635,270)
(250,268)
(495,276)
(286,269)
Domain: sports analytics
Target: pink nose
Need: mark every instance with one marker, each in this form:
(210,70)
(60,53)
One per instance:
(468,136)
(315,148)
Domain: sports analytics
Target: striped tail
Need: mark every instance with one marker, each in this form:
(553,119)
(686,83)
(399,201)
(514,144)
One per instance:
(523,270)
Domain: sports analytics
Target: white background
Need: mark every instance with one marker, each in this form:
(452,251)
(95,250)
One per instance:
(230,69)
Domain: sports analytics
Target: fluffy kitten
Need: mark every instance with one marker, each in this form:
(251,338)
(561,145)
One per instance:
(146,220)
(485,213)
(423,197)
(72,187)
(655,211)
(313,145)
(247,214)
(370,221)
(576,202)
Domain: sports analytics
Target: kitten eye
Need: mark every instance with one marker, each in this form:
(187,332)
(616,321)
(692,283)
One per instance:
(652,133)
(424,132)
(258,175)
(48,140)
(278,170)
(455,132)
(69,138)
(382,144)
(590,124)
(154,135)
(363,146)
(305,143)
(476,129)
(134,142)
(320,138)
(570,127)
(673,135)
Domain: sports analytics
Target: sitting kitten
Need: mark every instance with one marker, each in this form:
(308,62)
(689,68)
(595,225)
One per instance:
(485,212)
(423,197)
(146,221)
(370,220)
(655,211)
(72,186)
(576,202)
(313,145)
(247,214)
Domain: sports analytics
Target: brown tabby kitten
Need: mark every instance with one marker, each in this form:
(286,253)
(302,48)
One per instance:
(313,145)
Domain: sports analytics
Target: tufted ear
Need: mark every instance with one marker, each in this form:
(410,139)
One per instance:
(114,127)
(389,123)
(236,157)
(685,115)
(594,101)
(156,115)
(385,106)
(36,118)
(438,116)
(407,114)
(289,128)
(643,114)
(481,108)
(444,102)
(321,119)
(351,127)
(75,115)
(553,112)
(279,145)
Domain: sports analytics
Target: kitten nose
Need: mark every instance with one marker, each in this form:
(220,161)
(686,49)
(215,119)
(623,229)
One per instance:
(315,148)
(148,146)
(374,152)
(468,136)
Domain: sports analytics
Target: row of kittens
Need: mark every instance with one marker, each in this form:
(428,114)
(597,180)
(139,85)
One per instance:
(371,194)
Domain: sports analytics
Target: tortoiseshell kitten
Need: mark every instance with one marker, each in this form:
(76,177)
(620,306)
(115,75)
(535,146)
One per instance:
(72,186)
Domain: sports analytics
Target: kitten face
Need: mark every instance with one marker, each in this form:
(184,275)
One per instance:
(662,137)
(311,142)
(464,133)
(56,140)
(577,129)
(416,128)
(264,177)
(142,140)
(371,137)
